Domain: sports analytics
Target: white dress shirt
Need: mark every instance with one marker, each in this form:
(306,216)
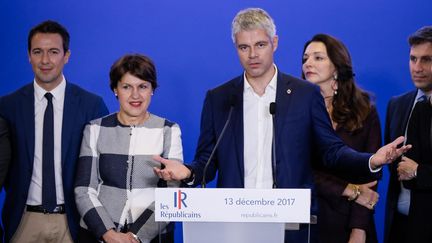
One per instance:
(258,134)
(40,103)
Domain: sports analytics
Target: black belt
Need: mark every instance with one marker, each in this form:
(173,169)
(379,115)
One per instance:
(60,209)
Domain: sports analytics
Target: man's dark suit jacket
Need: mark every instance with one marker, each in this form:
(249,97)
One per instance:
(398,111)
(419,136)
(5,156)
(302,128)
(17,108)
(5,150)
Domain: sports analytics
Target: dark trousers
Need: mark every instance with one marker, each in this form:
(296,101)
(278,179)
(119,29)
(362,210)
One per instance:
(398,232)
(85,236)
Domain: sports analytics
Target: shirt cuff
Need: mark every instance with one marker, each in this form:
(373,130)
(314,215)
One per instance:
(370,168)
(191,180)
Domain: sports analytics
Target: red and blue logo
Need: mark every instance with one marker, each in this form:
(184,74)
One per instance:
(179,199)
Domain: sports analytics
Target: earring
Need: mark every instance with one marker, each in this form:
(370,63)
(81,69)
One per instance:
(335,92)
(335,76)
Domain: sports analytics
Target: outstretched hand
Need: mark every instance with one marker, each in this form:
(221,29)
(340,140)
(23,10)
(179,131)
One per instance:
(389,152)
(173,171)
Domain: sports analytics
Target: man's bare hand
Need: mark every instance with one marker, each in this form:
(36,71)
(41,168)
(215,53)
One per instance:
(389,153)
(173,171)
(407,169)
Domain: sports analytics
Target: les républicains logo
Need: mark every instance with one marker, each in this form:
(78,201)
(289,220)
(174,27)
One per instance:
(180,199)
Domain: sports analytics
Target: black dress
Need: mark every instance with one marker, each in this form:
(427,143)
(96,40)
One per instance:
(337,216)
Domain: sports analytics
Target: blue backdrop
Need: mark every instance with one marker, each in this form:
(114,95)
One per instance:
(190,42)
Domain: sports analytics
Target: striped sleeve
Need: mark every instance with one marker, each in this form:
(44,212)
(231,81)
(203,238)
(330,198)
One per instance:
(172,149)
(87,184)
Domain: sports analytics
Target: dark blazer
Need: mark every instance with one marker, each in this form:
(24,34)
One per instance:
(17,108)
(398,111)
(302,128)
(5,156)
(5,150)
(419,135)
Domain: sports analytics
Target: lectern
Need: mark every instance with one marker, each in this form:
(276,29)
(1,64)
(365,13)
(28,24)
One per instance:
(233,215)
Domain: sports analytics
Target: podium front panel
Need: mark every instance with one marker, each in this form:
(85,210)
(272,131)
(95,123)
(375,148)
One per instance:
(233,205)
(215,232)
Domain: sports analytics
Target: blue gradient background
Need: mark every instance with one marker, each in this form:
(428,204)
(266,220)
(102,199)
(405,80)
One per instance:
(190,42)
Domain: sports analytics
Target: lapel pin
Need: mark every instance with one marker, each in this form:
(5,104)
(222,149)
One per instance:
(288,91)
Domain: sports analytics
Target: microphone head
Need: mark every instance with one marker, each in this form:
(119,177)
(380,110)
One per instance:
(272,108)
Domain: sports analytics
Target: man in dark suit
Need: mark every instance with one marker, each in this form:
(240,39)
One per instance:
(5,156)
(399,110)
(5,150)
(46,119)
(302,126)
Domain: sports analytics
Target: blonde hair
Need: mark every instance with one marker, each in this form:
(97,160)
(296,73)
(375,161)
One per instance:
(251,19)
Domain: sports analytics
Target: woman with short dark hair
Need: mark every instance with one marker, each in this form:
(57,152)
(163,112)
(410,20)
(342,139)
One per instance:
(115,183)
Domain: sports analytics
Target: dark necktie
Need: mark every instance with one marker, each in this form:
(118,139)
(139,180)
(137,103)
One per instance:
(49,198)
(421,98)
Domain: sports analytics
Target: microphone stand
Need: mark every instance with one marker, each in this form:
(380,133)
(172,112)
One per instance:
(272,110)
(203,181)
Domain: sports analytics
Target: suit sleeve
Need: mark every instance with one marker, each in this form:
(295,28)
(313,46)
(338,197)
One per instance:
(87,182)
(5,150)
(334,152)
(206,143)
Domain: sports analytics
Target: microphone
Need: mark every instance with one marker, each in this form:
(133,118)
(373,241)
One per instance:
(272,110)
(232,101)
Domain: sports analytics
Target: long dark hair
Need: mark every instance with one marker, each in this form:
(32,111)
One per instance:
(351,104)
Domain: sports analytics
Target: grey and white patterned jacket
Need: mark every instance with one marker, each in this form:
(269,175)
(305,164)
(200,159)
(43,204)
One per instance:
(114,186)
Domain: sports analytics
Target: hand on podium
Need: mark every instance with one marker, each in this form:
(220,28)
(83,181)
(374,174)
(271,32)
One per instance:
(173,170)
